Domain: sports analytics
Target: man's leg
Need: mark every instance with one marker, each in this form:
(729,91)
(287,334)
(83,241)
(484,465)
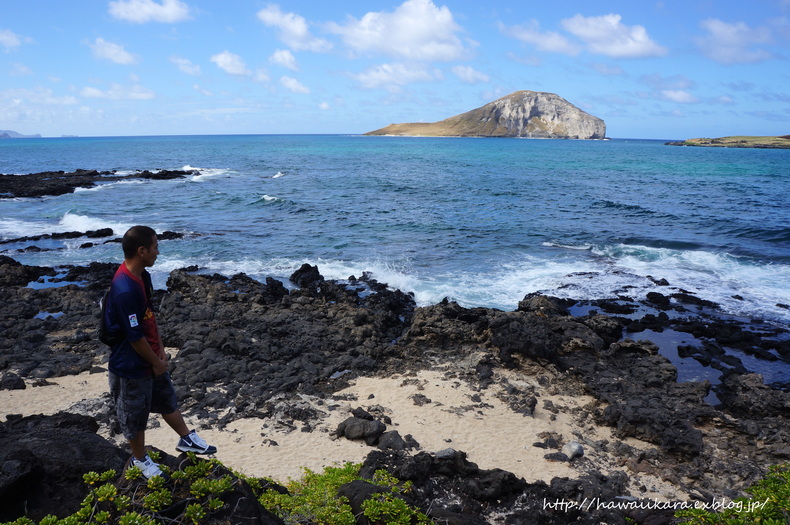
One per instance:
(132,418)
(140,458)
(176,421)
(190,441)
(137,444)
(165,403)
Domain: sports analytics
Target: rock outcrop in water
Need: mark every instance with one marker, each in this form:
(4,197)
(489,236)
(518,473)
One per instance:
(526,114)
(60,182)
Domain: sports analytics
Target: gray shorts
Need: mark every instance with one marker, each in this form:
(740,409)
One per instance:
(136,398)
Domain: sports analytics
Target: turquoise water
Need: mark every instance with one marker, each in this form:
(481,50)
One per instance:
(481,221)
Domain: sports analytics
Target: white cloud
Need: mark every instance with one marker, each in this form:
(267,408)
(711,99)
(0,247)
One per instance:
(734,43)
(294,31)
(393,76)
(141,11)
(608,70)
(469,74)
(782,24)
(658,81)
(113,52)
(293,85)
(20,70)
(415,30)
(119,92)
(678,95)
(202,90)
(186,66)
(9,40)
(530,60)
(741,85)
(284,58)
(261,75)
(544,40)
(36,97)
(230,63)
(324,106)
(606,35)
(92,92)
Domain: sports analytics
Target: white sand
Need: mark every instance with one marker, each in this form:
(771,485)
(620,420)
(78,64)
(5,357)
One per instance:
(491,434)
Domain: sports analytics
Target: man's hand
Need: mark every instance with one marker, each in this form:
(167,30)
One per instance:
(144,350)
(159,367)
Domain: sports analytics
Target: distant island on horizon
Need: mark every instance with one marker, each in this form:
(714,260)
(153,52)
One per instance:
(450,127)
(9,134)
(737,141)
(523,114)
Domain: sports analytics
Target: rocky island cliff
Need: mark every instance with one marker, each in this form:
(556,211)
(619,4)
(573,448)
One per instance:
(526,114)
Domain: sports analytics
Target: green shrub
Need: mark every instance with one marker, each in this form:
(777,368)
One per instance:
(132,500)
(388,507)
(769,504)
(314,499)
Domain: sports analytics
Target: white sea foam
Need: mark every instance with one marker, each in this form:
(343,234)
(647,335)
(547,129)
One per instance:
(206,173)
(269,198)
(10,228)
(501,288)
(81,223)
(612,271)
(504,286)
(579,247)
(108,185)
(717,277)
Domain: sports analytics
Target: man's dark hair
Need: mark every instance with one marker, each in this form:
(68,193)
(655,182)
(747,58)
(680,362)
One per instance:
(134,238)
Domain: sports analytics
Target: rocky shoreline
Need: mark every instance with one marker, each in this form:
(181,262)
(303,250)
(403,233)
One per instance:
(50,183)
(248,349)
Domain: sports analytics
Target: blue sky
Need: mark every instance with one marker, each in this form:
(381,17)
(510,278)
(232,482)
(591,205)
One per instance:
(666,70)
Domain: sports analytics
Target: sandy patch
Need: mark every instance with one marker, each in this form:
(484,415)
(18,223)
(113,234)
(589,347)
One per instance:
(457,416)
(60,394)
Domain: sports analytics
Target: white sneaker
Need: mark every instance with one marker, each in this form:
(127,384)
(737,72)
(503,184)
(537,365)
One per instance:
(193,443)
(147,465)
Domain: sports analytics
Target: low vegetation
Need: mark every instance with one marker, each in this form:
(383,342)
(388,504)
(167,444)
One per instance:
(314,499)
(195,493)
(739,142)
(769,504)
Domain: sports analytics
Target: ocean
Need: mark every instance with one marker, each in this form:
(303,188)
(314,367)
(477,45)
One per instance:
(479,221)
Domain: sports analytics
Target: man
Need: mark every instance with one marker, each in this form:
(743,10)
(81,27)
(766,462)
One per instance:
(139,381)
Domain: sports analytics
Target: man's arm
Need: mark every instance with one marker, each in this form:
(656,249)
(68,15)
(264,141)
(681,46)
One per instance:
(145,351)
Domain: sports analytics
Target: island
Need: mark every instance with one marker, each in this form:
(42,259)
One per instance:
(523,114)
(737,141)
(9,134)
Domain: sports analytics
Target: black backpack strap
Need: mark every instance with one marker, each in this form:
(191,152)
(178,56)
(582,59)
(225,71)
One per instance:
(149,286)
(105,336)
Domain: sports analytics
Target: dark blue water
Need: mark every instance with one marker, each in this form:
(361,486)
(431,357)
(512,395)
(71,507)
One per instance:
(481,221)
